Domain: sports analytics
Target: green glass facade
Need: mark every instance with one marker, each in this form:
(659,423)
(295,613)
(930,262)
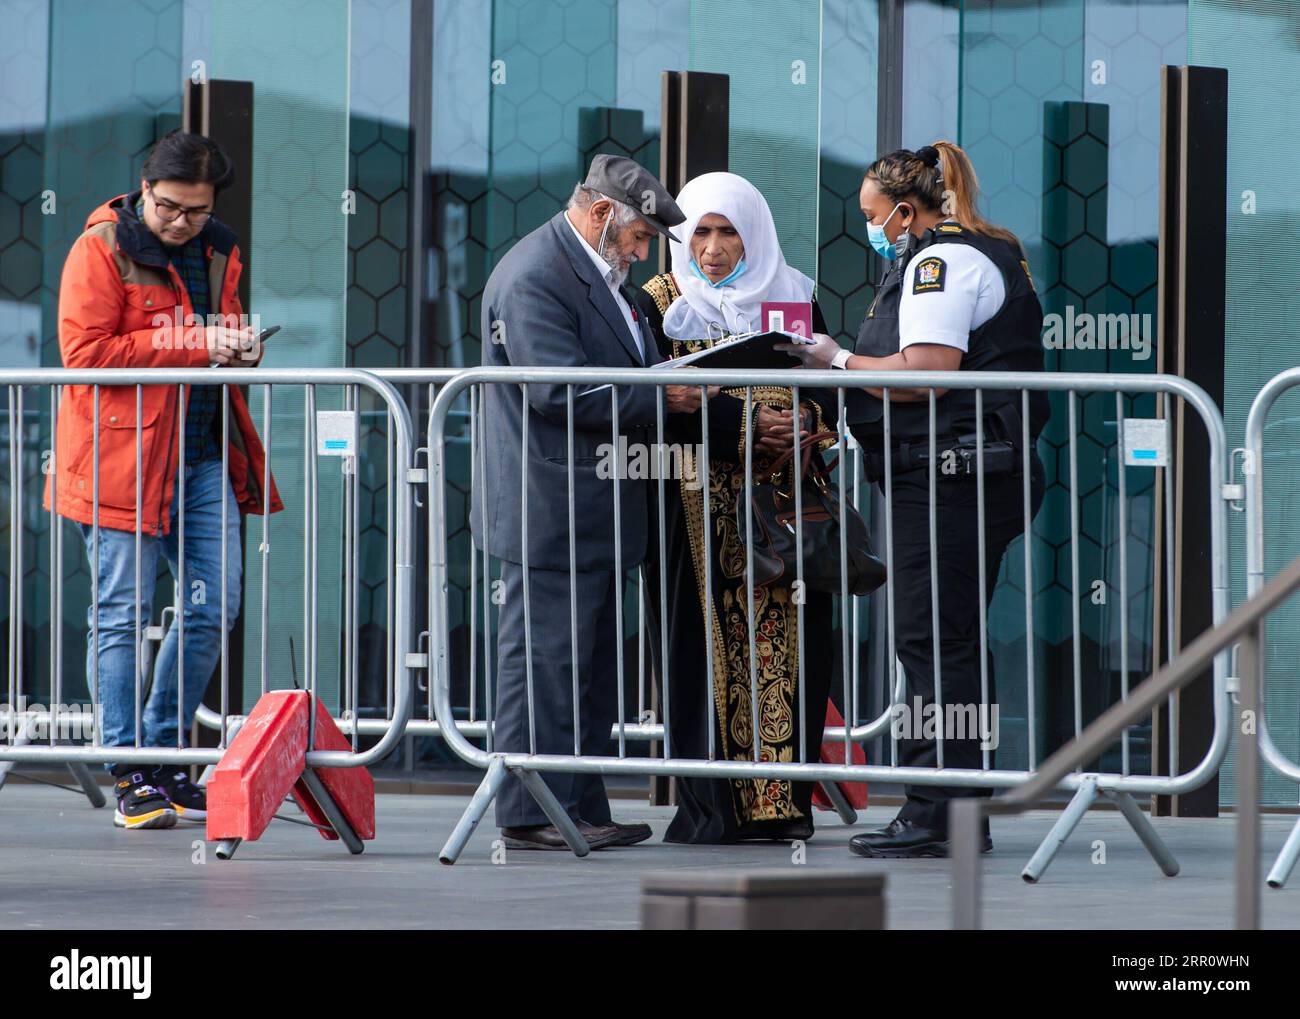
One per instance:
(1057,102)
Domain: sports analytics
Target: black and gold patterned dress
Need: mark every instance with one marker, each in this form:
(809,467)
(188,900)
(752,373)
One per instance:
(721,810)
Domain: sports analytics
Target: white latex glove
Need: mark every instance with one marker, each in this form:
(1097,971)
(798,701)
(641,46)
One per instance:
(817,354)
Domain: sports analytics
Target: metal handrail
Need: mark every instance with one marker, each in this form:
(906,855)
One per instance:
(1244,623)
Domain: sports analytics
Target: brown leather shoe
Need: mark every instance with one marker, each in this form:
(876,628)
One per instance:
(547,836)
(631,834)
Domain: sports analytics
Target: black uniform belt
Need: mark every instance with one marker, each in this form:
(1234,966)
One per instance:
(954,457)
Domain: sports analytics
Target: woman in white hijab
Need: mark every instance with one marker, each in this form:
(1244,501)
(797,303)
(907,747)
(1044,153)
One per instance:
(720,285)
(727,263)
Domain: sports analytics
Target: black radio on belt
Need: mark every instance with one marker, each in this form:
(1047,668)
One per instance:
(963,459)
(958,456)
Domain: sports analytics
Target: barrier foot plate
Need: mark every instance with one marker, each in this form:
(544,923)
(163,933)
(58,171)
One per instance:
(559,817)
(469,820)
(1084,797)
(1141,824)
(1277,877)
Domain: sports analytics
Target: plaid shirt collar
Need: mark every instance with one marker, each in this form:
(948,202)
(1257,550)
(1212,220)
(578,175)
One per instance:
(191,265)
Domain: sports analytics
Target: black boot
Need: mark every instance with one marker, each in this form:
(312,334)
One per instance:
(901,839)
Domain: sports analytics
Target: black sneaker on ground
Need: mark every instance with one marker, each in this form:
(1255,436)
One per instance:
(139,803)
(188,800)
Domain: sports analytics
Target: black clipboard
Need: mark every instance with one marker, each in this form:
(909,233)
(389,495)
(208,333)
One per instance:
(751,351)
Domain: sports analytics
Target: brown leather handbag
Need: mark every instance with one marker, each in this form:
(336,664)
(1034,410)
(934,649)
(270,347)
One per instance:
(774,536)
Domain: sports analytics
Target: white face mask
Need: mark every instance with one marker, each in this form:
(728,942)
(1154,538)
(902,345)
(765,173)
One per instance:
(883,246)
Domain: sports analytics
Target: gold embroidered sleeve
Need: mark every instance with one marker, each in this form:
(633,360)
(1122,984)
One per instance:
(763,396)
(820,425)
(662,291)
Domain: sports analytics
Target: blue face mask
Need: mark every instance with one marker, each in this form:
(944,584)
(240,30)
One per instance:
(883,246)
(731,277)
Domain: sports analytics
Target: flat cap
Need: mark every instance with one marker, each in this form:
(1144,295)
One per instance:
(625,180)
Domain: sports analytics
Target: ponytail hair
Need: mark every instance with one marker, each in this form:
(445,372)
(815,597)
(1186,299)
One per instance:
(962,187)
(939,178)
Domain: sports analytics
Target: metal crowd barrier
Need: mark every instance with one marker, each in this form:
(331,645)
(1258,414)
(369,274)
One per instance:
(1118,786)
(472,713)
(362,713)
(369,718)
(1252,469)
(26,451)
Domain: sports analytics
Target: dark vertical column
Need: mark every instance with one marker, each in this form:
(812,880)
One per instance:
(420,345)
(1072,281)
(695,117)
(889,136)
(419,211)
(223,111)
(889,75)
(694,120)
(1193,225)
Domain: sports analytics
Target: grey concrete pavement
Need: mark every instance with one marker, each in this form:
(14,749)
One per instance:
(64,865)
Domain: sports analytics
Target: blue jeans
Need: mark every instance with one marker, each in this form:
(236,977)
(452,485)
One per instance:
(206,486)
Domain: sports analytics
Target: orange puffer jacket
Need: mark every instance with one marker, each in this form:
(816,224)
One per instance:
(118,308)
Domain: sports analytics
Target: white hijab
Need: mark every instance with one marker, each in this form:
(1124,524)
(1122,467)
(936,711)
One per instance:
(702,310)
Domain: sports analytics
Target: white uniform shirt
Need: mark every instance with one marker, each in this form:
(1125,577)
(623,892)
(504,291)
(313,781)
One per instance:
(611,280)
(949,290)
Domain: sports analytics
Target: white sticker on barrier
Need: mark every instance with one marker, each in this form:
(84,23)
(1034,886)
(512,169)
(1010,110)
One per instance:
(1146,442)
(336,432)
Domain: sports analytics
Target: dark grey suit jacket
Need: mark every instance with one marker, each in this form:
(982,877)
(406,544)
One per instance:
(546,304)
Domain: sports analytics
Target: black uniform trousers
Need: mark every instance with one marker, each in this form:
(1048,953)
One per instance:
(599,629)
(956,544)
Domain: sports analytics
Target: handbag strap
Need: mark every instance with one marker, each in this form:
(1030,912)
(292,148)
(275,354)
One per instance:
(807,459)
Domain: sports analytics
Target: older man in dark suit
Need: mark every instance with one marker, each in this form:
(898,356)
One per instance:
(556,300)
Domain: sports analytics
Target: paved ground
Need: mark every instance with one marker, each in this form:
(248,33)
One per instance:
(62,864)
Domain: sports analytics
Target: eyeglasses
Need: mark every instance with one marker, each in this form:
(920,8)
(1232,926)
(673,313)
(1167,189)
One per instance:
(169,211)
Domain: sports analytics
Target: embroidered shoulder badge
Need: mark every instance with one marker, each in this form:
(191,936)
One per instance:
(930,275)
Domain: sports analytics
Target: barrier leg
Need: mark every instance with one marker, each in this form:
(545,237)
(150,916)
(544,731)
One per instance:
(842,806)
(1277,877)
(332,812)
(226,848)
(1141,824)
(88,784)
(1064,827)
(552,809)
(79,771)
(21,739)
(478,805)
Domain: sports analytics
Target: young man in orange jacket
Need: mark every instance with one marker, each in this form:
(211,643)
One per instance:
(152,283)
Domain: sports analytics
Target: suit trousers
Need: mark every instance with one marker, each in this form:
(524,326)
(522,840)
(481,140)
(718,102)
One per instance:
(599,628)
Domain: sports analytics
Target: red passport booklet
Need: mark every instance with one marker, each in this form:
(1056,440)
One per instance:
(787,316)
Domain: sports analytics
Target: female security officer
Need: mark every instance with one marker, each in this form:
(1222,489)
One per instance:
(957,296)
